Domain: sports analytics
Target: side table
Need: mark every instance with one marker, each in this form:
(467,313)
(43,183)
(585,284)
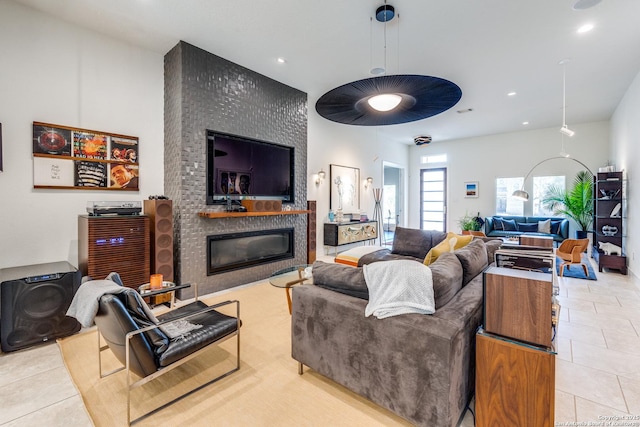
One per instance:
(288,277)
(167,288)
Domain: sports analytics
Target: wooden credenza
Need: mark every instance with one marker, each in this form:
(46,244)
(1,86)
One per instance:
(118,244)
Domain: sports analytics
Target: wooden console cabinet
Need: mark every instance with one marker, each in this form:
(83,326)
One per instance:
(517,304)
(118,244)
(515,383)
(343,233)
(515,357)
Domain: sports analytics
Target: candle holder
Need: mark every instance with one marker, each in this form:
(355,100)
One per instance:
(155,281)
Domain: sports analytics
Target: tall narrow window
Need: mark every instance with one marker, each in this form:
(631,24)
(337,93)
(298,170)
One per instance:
(433,184)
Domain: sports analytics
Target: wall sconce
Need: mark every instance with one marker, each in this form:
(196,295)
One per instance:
(320,176)
(368,182)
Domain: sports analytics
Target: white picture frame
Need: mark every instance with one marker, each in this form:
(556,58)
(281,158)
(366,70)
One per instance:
(344,189)
(471,189)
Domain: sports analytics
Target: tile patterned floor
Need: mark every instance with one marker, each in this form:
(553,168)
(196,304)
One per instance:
(597,367)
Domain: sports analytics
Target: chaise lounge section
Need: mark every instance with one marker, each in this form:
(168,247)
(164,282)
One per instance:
(420,367)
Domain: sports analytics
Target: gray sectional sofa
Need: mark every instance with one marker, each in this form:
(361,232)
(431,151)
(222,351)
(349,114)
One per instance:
(506,226)
(420,367)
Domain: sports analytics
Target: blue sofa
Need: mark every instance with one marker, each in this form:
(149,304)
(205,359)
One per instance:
(496,226)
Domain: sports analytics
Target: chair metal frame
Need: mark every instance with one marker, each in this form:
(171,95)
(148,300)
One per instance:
(131,385)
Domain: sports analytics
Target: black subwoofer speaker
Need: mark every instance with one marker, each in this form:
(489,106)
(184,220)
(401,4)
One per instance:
(33,303)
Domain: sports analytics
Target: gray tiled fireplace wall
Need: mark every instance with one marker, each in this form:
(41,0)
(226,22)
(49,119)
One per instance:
(204,91)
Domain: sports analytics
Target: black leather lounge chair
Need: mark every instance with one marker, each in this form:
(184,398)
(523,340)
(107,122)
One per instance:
(144,349)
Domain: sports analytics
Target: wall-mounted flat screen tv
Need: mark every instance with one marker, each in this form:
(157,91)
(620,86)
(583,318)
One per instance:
(240,167)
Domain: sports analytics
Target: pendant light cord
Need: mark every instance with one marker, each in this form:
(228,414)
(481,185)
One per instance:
(385,36)
(564,94)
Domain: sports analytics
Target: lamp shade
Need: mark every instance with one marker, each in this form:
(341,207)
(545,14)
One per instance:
(421,97)
(520,195)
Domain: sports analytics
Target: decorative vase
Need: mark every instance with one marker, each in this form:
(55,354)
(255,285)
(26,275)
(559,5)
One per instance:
(332,216)
(339,216)
(609,230)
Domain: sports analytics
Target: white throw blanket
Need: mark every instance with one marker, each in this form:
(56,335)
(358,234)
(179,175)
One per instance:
(398,287)
(84,305)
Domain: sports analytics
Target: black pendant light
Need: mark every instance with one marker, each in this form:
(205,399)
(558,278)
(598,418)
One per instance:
(388,100)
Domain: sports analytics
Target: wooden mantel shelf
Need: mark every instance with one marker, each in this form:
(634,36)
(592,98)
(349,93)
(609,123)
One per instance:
(245,214)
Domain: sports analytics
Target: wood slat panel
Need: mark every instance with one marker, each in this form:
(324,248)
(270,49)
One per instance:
(118,244)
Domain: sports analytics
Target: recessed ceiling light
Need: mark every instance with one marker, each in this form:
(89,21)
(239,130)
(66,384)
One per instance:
(466,110)
(511,94)
(525,123)
(281,60)
(585,28)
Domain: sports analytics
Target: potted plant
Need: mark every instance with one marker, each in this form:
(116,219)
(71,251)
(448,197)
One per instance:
(470,223)
(575,203)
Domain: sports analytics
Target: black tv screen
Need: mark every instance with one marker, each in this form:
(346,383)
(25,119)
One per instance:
(240,167)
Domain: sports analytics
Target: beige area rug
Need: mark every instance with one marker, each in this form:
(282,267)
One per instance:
(267,391)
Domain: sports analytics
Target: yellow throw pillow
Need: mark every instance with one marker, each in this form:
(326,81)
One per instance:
(450,243)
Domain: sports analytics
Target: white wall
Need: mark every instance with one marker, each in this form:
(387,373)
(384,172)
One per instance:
(354,146)
(486,158)
(625,134)
(54,72)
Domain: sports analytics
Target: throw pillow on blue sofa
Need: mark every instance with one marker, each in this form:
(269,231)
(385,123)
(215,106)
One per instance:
(526,227)
(498,223)
(509,225)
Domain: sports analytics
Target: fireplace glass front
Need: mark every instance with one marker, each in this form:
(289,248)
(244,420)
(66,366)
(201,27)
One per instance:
(226,252)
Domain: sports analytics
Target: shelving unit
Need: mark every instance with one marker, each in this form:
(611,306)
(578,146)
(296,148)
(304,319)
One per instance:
(246,214)
(608,219)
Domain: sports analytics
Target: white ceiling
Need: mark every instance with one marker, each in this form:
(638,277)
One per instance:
(487,47)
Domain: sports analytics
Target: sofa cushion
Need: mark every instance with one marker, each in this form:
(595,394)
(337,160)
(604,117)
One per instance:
(544,226)
(446,273)
(381,255)
(555,227)
(340,278)
(447,245)
(526,227)
(414,242)
(509,225)
(473,258)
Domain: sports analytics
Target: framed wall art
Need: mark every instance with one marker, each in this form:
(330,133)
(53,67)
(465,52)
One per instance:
(344,192)
(72,158)
(471,189)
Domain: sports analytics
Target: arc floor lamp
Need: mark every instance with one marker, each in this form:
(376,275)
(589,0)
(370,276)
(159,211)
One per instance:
(523,195)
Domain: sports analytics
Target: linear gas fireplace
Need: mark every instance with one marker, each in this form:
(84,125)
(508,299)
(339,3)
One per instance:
(226,252)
